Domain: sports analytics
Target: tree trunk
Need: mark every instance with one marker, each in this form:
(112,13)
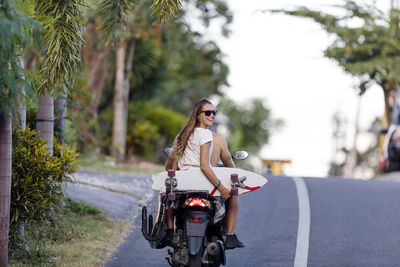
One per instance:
(60,110)
(5,185)
(97,79)
(125,53)
(96,67)
(45,120)
(19,114)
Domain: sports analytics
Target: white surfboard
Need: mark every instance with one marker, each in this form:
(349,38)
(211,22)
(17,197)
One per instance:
(194,179)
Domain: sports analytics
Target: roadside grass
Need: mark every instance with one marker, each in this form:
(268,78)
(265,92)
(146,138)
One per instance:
(80,235)
(107,164)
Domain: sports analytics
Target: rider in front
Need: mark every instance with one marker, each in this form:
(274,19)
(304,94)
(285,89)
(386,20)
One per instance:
(193,147)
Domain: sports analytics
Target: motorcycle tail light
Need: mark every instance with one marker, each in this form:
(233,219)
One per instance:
(196,220)
(197,202)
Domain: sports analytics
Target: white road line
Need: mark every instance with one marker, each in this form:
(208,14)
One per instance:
(303,230)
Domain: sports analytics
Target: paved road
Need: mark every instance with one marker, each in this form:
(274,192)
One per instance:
(343,223)
(354,223)
(118,196)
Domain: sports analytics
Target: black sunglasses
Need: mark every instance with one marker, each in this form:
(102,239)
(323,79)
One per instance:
(208,112)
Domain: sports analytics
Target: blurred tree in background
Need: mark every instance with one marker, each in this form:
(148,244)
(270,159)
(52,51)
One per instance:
(172,67)
(366,43)
(250,124)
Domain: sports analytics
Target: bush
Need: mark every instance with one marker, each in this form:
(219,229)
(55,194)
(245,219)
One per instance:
(151,126)
(36,187)
(71,222)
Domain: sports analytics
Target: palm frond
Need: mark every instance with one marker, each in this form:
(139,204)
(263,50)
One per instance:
(165,9)
(62,42)
(113,14)
(15,31)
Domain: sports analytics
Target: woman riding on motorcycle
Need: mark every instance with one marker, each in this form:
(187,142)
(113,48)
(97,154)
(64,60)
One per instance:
(192,148)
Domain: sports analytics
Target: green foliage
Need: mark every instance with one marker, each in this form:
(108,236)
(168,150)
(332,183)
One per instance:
(144,62)
(142,137)
(166,8)
(66,160)
(36,177)
(33,251)
(15,31)
(65,227)
(172,66)
(116,16)
(151,125)
(113,14)
(79,208)
(250,124)
(187,67)
(369,50)
(211,9)
(176,60)
(62,42)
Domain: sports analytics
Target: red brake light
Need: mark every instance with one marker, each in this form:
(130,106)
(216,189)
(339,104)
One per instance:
(197,202)
(196,220)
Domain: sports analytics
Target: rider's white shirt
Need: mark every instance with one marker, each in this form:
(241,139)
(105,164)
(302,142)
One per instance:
(191,156)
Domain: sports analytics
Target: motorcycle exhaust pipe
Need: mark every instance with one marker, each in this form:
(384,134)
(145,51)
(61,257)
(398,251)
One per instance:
(213,254)
(213,249)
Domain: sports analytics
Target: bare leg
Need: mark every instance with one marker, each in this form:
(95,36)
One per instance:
(170,218)
(165,241)
(231,214)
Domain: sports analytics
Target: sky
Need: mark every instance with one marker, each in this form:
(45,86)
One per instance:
(280,59)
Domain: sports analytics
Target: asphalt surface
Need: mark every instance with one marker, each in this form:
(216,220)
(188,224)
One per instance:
(120,197)
(267,224)
(353,223)
(116,206)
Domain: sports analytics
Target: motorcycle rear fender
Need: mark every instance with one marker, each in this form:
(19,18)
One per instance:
(196,231)
(195,243)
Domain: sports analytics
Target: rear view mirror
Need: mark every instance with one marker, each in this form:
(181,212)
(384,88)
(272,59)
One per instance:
(240,154)
(168,151)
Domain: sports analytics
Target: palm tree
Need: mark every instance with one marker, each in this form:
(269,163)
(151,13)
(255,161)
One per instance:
(121,20)
(61,56)
(125,51)
(19,113)
(14,32)
(45,120)
(60,111)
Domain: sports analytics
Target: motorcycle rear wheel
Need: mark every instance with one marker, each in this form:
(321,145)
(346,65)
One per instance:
(195,260)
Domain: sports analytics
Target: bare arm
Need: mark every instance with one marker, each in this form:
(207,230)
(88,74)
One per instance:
(226,156)
(208,172)
(172,163)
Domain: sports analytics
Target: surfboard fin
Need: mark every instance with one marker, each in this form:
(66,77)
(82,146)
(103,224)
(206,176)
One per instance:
(240,183)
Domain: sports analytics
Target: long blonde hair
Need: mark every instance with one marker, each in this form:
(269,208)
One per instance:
(187,130)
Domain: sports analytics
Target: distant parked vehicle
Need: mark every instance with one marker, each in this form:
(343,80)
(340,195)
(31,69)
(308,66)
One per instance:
(389,147)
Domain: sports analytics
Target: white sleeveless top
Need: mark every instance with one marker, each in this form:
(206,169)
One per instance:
(191,156)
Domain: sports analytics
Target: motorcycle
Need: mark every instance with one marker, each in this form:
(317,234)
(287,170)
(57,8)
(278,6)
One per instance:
(197,240)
